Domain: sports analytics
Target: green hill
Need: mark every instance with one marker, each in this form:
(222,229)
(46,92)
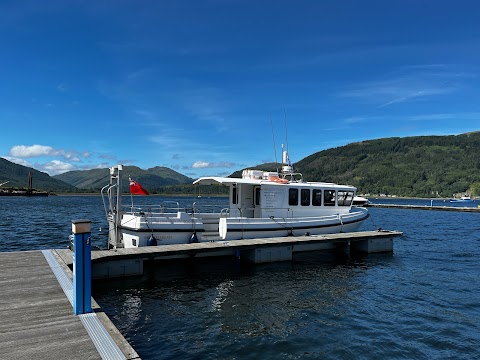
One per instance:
(420,166)
(17,177)
(154,179)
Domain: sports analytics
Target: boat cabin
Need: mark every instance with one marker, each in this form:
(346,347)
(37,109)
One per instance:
(261,194)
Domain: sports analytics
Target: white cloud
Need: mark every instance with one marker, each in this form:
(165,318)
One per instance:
(31,151)
(23,151)
(200,165)
(17,161)
(204,165)
(56,167)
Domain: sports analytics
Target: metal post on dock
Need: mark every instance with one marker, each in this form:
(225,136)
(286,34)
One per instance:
(82,267)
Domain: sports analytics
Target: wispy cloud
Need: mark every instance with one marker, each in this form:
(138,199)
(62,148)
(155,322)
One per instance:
(172,139)
(414,95)
(410,83)
(446,116)
(62,87)
(473,116)
(205,165)
(395,91)
(206,103)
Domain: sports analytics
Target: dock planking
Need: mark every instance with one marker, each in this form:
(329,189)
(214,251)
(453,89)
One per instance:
(37,320)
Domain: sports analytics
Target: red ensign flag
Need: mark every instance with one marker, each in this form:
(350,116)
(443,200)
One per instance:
(136,188)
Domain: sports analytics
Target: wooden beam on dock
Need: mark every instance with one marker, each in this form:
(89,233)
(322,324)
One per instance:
(151,252)
(127,262)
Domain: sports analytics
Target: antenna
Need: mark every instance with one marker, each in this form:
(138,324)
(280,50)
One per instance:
(286,133)
(274,146)
(287,165)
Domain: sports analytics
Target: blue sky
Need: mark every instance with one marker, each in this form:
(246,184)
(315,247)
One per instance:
(196,85)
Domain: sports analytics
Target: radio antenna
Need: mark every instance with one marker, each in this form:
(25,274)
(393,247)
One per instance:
(274,146)
(286,133)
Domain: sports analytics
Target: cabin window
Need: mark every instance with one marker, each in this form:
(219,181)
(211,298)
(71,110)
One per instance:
(257,196)
(345,198)
(234,195)
(292,196)
(329,197)
(317,197)
(305,197)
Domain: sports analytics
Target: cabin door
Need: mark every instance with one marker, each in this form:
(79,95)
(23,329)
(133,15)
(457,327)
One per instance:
(257,203)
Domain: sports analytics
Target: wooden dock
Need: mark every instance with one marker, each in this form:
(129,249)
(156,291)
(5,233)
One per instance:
(426,207)
(37,320)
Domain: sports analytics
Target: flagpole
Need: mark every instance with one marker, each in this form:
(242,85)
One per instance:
(131,195)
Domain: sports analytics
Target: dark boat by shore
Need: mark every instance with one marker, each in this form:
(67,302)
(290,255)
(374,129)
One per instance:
(22,192)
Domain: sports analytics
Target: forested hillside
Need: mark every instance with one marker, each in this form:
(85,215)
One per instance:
(422,166)
(16,176)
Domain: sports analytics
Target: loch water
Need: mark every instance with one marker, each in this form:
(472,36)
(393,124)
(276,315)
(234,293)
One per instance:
(421,302)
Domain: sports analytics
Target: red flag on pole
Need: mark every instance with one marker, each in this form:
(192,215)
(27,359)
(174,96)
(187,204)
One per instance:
(136,188)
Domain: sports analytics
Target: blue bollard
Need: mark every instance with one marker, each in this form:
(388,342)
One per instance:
(82,267)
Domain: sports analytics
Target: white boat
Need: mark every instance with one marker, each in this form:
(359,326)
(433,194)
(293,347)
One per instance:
(360,201)
(462,199)
(261,205)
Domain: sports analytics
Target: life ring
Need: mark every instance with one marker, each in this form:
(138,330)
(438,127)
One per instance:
(278,180)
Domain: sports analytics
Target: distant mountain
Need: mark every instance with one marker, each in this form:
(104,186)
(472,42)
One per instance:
(420,166)
(17,177)
(153,179)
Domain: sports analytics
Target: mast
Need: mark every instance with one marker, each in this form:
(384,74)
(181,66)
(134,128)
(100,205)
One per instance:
(274,146)
(115,205)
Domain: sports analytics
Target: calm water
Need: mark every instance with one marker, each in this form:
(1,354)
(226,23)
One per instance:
(422,302)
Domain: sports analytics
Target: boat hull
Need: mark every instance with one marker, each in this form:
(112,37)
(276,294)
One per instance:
(242,228)
(177,231)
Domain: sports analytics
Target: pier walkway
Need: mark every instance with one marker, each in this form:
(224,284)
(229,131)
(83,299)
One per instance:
(37,320)
(426,207)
